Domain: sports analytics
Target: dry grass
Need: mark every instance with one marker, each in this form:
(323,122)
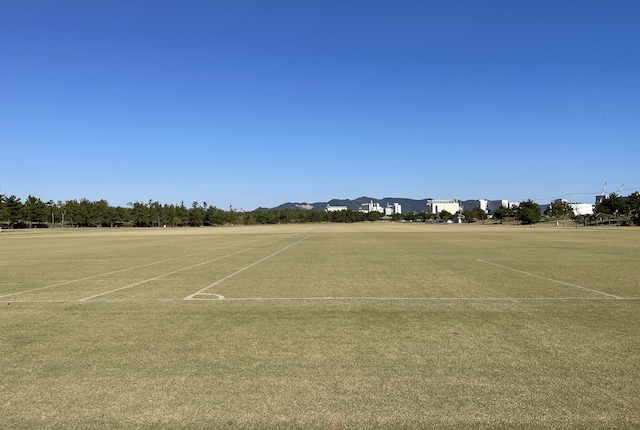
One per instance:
(418,332)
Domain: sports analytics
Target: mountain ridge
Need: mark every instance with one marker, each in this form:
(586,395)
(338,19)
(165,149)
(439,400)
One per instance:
(408,205)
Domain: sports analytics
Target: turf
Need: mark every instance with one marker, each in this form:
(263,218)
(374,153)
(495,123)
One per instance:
(320,327)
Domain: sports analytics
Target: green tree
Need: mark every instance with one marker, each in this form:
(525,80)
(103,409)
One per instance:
(613,204)
(155,212)
(71,207)
(528,212)
(560,209)
(141,216)
(633,206)
(479,214)
(216,216)
(85,215)
(51,210)
(445,216)
(12,210)
(102,213)
(34,211)
(397,217)
(196,215)
(181,215)
(80,213)
(411,217)
(503,212)
(61,211)
(168,215)
(475,214)
(122,214)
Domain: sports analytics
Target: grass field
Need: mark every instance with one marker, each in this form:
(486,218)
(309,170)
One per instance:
(372,325)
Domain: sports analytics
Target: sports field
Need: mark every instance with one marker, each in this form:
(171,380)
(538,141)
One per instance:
(371,325)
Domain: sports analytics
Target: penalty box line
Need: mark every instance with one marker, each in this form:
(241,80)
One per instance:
(219,281)
(549,279)
(155,278)
(115,271)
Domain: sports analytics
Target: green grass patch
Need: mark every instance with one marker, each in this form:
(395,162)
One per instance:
(321,327)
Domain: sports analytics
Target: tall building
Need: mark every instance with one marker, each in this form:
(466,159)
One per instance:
(394,209)
(371,207)
(437,206)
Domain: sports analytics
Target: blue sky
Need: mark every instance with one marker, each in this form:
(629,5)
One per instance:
(256,103)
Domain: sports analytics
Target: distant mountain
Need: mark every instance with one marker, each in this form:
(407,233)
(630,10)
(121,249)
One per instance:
(408,205)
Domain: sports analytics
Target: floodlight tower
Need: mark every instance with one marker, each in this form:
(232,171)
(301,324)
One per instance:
(601,198)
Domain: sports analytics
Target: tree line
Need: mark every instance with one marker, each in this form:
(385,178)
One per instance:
(33,212)
(626,210)
(623,210)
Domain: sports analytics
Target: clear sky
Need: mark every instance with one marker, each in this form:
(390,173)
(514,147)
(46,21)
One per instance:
(256,103)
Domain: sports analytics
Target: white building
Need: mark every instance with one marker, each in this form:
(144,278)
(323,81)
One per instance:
(437,206)
(335,208)
(394,209)
(578,208)
(371,207)
(582,208)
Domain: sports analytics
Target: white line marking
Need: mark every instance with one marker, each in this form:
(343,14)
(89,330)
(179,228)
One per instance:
(117,271)
(161,276)
(419,299)
(209,296)
(219,281)
(36,301)
(549,279)
(435,299)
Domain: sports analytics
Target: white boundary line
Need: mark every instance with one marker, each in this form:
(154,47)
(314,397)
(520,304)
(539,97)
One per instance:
(117,271)
(423,299)
(161,276)
(549,279)
(213,296)
(221,298)
(219,281)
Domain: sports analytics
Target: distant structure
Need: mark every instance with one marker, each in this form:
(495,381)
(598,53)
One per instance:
(371,207)
(489,206)
(602,196)
(393,209)
(582,208)
(335,208)
(469,205)
(578,208)
(437,206)
(493,205)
